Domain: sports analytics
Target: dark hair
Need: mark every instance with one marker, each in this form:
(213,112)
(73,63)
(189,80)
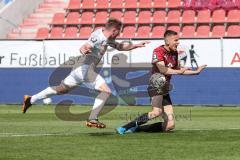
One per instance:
(113,22)
(170,33)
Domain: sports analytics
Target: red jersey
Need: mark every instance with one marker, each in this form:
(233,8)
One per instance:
(170,60)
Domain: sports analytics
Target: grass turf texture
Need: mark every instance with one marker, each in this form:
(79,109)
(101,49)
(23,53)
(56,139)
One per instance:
(205,133)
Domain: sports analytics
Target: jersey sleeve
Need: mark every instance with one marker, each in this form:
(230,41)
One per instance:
(157,56)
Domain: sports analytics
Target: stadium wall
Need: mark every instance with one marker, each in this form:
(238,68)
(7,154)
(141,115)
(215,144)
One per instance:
(13,14)
(27,70)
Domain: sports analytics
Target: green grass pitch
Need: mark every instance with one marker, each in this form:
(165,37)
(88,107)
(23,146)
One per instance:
(202,133)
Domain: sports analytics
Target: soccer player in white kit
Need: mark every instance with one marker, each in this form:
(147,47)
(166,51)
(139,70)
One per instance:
(92,52)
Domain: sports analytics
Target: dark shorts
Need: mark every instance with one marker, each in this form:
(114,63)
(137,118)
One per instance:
(166,100)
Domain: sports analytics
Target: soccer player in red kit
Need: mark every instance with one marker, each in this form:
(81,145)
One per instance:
(165,63)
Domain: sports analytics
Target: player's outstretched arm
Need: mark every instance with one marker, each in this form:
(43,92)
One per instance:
(194,72)
(169,71)
(129,46)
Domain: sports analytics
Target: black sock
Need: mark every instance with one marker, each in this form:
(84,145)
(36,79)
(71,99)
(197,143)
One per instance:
(139,121)
(155,127)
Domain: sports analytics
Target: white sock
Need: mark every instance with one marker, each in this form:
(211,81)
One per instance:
(98,104)
(48,92)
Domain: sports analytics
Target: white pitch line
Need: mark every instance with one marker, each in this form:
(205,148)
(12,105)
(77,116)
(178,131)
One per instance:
(76,133)
(35,134)
(216,129)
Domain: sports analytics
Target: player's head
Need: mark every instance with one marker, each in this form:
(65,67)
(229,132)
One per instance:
(171,39)
(192,46)
(114,27)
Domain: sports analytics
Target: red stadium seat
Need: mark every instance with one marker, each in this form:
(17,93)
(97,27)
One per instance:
(116,14)
(85,32)
(56,33)
(233,16)
(102,4)
(158,32)
(143,32)
(58,18)
(128,32)
(159,17)
(218,16)
(116,4)
(203,16)
(145,17)
(175,28)
(87,18)
(88,4)
(188,31)
(188,16)
(173,16)
(203,31)
(145,4)
(129,17)
(233,31)
(174,3)
(71,32)
(237,2)
(73,18)
(101,17)
(74,4)
(159,4)
(130,4)
(42,33)
(218,31)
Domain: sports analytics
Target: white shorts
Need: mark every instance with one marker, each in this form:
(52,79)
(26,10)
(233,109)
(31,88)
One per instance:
(84,74)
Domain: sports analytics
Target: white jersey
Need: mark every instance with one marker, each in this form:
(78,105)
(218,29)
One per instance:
(99,45)
(83,71)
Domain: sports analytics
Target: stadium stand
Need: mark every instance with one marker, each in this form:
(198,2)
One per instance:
(128,32)
(173,16)
(73,18)
(218,31)
(145,4)
(143,32)
(144,17)
(188,31)
(188,16)
(160,4)
(204,16)
(71,32)
(233,30)
(157,31)
(233,16)
(159,16)
(85,31)
(218,16)
(56,32)
(203,31)
(76,18)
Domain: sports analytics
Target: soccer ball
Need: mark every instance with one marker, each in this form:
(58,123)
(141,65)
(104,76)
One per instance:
(47,101)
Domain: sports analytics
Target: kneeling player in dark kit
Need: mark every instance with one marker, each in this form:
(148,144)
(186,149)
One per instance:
(164,65)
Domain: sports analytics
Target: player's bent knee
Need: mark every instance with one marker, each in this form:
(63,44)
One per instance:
(104,88)
(170,127)
(61,89)
(108,93)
